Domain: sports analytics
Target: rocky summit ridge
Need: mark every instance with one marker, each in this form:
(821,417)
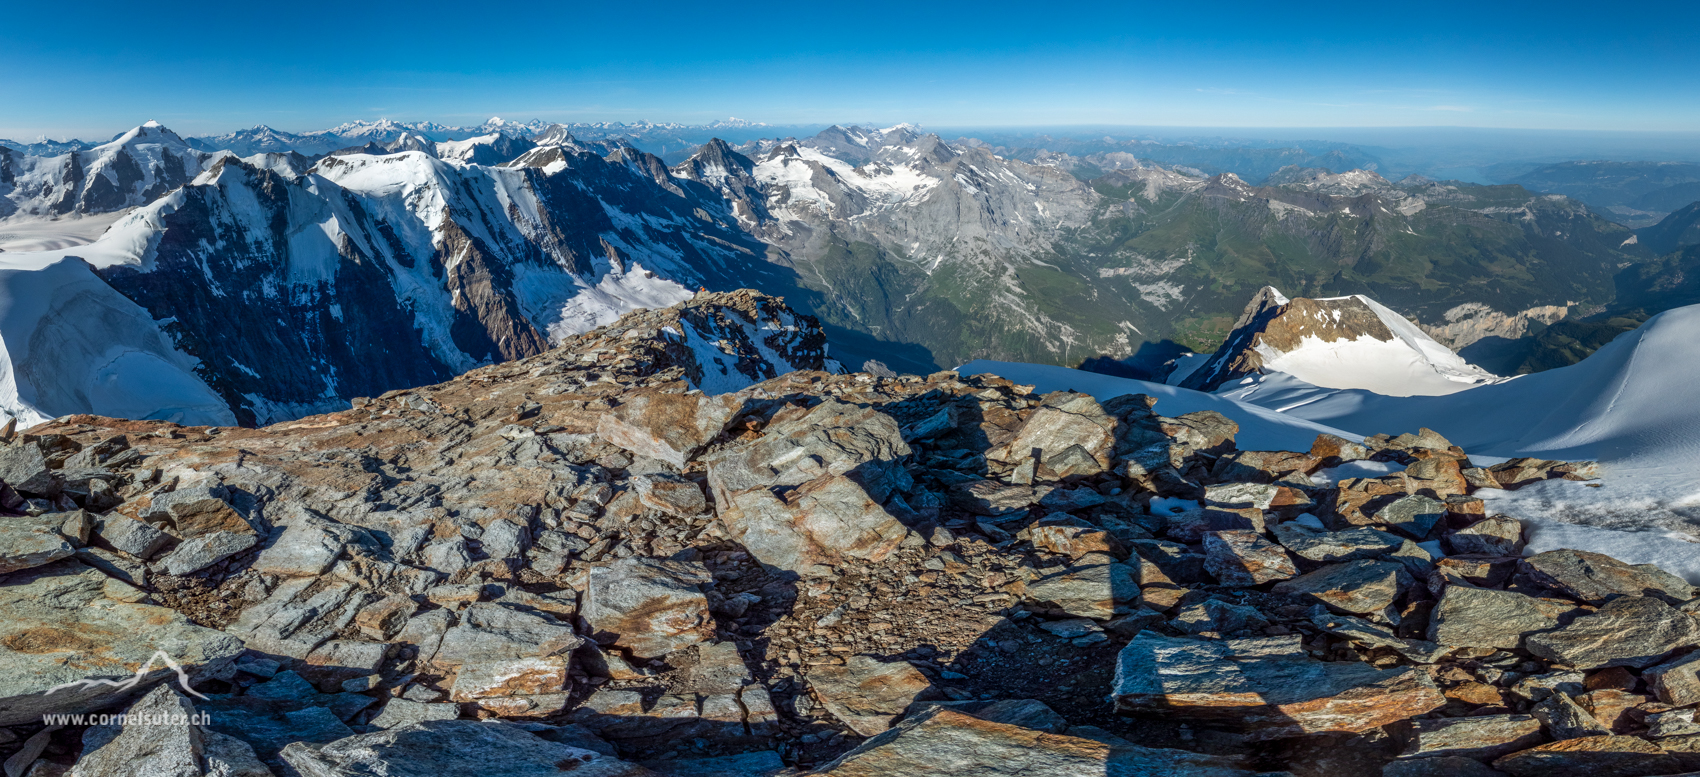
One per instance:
(579,561)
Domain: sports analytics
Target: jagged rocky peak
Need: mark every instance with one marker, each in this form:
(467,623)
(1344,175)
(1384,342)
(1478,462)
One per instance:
(1338,342)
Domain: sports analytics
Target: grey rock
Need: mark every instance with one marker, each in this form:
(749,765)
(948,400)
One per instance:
(194,511)
(1348,545)
(1632,631)
(491,632)
(1244,558)
(1440,766)
(1358,587)
(1414,515)
(1676,681)
(227,756)
(1254,495)
(338,660)
(1063,420)
(59,629)
(1538,687)
(668,427)
(405,712)
(1496,536)
(1481,617)
(1606,756)
(832,438)
(268,726)
(299,615)
(1089,590)
(1675,723)
(765,763)
(1270,686)
(1370,635)
(1482,737)
(452,748)
(198,553)
(866,693)
(132,536)
(26,547)
(1565,719)
(308,547)
(285,686)
(943,741)
(671,494)
(168,745)
(1192,525)
(26,760)
(1218,616)
(23,466)
(822,522)
(652,607)
(1594,578)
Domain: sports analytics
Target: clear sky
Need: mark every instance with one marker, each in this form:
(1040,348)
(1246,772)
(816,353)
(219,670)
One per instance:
(93,69)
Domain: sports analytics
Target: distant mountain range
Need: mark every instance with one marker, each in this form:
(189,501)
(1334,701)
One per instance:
(288,280)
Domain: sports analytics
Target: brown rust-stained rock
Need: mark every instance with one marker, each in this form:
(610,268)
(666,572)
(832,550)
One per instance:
(821,522)
(1602,756)
(867,693)
(668,427)
(649,606)
(1483,617)
(1270,686)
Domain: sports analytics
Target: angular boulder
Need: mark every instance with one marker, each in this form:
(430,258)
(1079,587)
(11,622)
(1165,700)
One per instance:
(867,693)
(1358,587)
(24,547)
(1482,737)
(668,427)
(158,739)
(821,522)
(1601,756)
(1632,631)
(1244,558)
(651,607)
(1270,686)
(942,741)
(1595,578)
(1063,420)
(1484,617)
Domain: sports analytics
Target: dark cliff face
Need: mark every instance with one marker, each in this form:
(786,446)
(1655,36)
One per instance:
(268,342)
(298,294)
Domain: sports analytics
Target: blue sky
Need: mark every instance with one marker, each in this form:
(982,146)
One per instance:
(97,68)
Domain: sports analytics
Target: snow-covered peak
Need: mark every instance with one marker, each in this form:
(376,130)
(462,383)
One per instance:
(1340,342)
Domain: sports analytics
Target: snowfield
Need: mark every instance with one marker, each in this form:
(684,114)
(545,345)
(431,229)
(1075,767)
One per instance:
(1631,406)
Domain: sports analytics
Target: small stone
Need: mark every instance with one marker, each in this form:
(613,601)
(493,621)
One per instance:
(1348,545)
(671,494)
(1072,628)
(383,619)
(1670,724)
(1220,617)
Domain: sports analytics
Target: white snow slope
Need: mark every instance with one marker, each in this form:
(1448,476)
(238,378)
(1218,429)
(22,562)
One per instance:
(1411,364)
(91,350)
(1631,406)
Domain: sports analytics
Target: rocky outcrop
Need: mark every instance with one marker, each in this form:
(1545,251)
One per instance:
(852,574)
